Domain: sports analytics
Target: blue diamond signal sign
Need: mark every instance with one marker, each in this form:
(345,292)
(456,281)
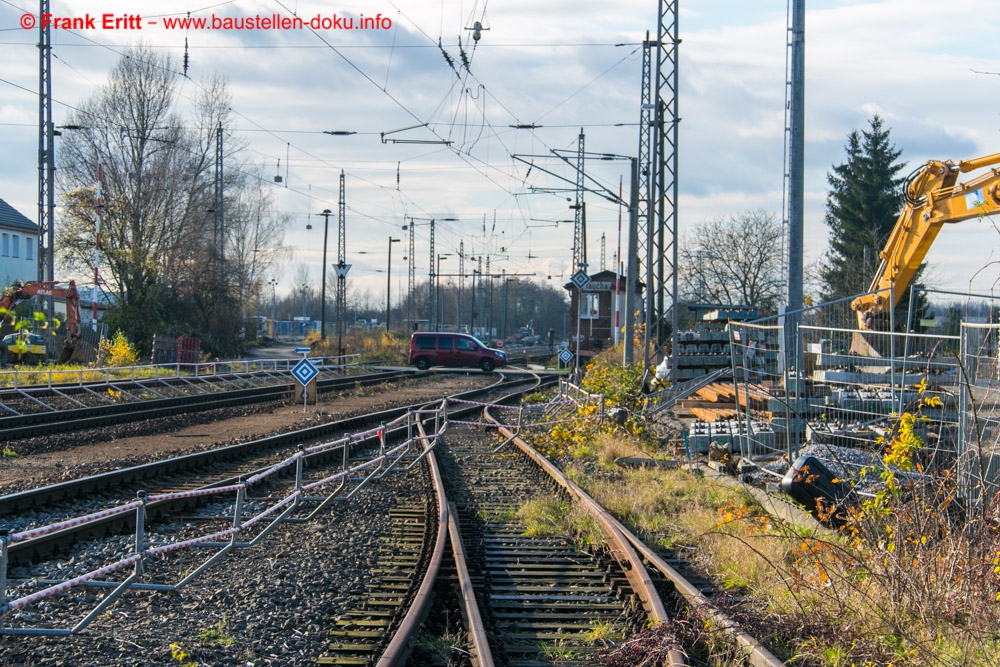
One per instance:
(580,279)
(305,372)
(565,356)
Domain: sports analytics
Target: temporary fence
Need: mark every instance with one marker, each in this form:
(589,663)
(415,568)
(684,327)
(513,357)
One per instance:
(978,450)
(146,545)
(813,377)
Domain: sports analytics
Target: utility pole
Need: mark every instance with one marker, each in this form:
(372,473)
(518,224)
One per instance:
(411,276)
(431,310)
(46,156)
(579,214)
(342,266)
(322,299)
(658,166)
(632,269)
(220,235)
(388,283)
(796,171)
(461,279)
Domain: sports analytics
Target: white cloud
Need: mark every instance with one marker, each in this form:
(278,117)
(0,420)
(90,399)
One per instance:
(555,64)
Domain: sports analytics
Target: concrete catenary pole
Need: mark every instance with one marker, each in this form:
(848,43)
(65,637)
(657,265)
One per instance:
(796,155)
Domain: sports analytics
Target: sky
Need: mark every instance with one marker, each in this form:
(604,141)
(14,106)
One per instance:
(558,65)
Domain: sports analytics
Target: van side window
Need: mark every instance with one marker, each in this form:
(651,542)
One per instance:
(424,342)
(465,344)
(446,342)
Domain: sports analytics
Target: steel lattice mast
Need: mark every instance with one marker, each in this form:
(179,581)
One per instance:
(46,154)
(341,262)
(411,277)
(657,206)
(580,215)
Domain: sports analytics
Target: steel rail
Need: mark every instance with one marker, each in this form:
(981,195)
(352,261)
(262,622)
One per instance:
(396,652)
(620,548)
(758,655)
(408,627)
(42,423)
(35,548)
(473,619)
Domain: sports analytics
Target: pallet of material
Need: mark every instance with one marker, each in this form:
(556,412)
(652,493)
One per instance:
(753,395)
(712,414)
(716,391)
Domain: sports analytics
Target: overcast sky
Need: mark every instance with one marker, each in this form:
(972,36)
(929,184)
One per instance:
(929,70)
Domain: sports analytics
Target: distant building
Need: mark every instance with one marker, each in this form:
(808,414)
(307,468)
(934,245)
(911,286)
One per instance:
(18,246)
(595,312)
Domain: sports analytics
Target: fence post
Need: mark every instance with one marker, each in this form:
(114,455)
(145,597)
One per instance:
(238,512)
(4,541)
(140,529)
(409,426)
(298,471)
(347,452)
(381,439)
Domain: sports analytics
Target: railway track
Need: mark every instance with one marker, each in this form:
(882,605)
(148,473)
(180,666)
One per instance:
(214,467)
(49,410)
(521,598)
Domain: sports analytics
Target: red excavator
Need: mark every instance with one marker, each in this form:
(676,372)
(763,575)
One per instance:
(22,346)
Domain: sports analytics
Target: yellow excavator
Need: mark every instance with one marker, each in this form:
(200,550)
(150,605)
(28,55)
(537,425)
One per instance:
(934,197)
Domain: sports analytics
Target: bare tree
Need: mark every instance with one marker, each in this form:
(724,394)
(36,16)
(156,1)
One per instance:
(734,260)
(161,249)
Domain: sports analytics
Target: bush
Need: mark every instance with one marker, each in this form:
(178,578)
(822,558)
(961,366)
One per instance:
(117,351)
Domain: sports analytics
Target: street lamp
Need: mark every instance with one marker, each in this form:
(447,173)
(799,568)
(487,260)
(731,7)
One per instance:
(322,307)
(273,282)
(388,283)
(437,291)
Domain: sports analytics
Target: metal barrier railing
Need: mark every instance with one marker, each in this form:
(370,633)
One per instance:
(15,378)
(386,460)
(666,398)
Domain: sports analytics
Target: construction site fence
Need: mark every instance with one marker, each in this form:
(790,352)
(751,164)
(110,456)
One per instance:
(799,379)
(252,522)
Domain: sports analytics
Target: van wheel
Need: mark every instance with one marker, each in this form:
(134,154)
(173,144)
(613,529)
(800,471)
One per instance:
(487,365)
(423,363)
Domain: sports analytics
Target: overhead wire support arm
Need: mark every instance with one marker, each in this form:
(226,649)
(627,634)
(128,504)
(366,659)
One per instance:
(603,193)
(445,142)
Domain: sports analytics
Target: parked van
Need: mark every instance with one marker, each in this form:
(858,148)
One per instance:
(433,348)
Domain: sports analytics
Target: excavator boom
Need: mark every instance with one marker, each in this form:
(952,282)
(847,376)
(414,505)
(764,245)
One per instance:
(934,197)
(19,292)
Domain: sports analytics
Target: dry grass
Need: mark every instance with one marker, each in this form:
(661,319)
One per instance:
(903,583)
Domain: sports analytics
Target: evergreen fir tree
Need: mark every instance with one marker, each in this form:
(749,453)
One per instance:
(865,198)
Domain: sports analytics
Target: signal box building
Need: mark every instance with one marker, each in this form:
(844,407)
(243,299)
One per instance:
(596,311)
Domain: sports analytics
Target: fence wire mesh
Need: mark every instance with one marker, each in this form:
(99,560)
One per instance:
(978,450)
(813,378)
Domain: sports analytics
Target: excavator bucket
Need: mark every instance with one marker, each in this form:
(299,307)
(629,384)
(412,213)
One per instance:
(66,354)
(861,346)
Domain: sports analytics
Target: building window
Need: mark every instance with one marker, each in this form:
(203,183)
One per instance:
(29,248)
(5,245)
(17,246)
(590,306)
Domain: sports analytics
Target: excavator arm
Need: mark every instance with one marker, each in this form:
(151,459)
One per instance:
(933,197)
(19,292)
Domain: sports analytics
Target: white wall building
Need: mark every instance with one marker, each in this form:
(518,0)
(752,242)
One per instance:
(18,246)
